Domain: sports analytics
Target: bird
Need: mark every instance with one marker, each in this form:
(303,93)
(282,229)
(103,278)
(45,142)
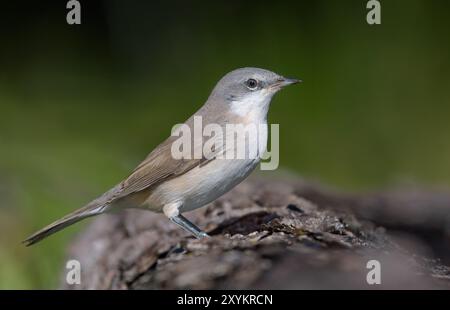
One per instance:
(167,184)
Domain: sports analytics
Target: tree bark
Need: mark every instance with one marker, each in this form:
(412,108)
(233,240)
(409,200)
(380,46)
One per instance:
(274,234)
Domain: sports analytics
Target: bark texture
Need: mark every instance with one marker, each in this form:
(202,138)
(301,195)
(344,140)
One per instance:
(275,234)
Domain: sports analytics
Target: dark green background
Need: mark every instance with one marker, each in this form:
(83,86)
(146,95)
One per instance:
(80,106)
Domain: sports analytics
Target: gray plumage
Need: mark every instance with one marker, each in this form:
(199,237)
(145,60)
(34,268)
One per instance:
(164,184)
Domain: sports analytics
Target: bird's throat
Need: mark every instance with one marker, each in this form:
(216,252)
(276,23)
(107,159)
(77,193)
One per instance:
(253,108)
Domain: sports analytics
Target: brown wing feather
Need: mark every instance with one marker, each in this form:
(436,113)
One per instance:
(157,167)
(160,165)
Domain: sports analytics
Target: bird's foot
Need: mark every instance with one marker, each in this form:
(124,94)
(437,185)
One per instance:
(202,235)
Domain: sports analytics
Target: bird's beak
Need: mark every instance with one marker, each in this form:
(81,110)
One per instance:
(288,81)
(283,82)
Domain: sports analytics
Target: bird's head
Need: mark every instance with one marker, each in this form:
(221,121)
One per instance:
(249,89)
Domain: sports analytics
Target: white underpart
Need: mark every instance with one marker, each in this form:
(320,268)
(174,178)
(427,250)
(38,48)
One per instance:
(204,184)
(254,105)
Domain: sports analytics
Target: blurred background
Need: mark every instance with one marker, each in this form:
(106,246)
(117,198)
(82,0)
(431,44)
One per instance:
(81,105)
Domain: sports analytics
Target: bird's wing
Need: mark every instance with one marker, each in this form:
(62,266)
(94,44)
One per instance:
(159,166)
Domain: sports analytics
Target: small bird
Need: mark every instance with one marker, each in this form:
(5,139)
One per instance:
(162,183)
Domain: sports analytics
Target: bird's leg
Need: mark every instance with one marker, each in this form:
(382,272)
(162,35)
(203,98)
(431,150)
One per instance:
(188,226)
(172,211)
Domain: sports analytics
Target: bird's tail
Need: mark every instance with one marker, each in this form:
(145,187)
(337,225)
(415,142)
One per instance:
(89,210)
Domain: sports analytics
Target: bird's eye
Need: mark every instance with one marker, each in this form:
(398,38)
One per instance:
(251,84)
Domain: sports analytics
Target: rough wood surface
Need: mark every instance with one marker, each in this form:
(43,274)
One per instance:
(274,234)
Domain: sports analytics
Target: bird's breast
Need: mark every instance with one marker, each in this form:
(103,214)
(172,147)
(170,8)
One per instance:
(205,183)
